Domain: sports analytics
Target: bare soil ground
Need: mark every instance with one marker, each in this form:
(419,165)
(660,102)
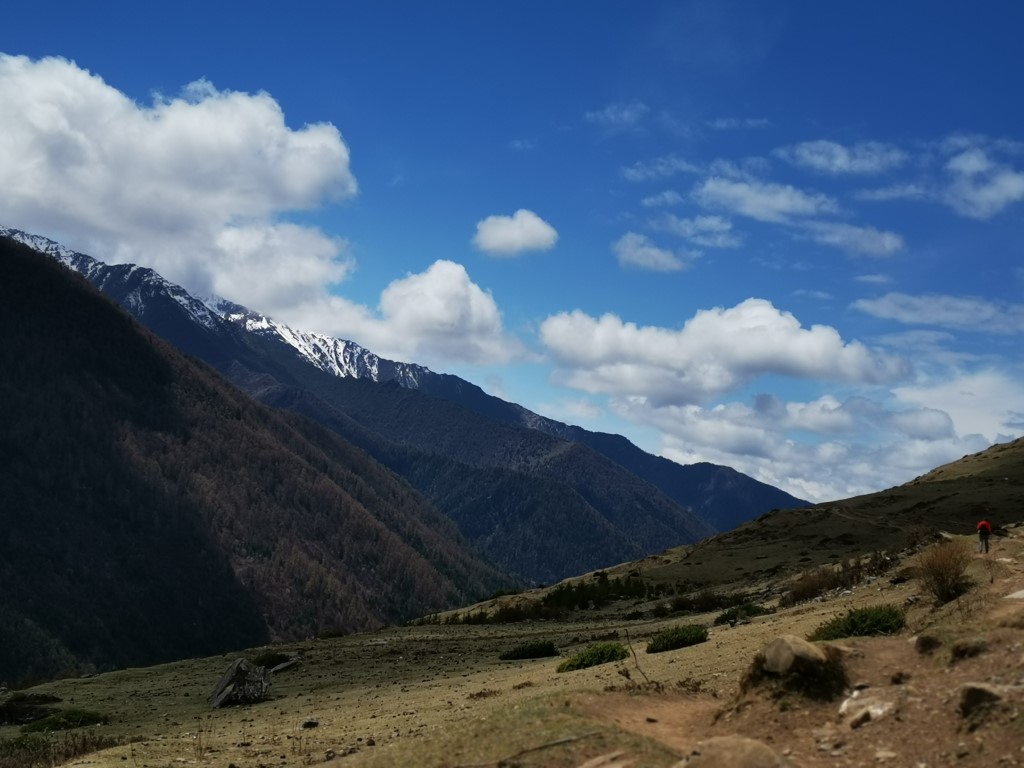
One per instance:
(439,696)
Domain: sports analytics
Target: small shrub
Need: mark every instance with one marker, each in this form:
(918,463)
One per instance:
(677,637)
(943,569)
(812,584)
(738,612)
(36,750)
(64,720)
(862,622)
(592,655)
(23,708)
(538,649)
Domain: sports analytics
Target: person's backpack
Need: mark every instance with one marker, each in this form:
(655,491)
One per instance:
(985,527)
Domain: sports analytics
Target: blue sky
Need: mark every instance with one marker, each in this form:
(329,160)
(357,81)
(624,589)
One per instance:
(782,236)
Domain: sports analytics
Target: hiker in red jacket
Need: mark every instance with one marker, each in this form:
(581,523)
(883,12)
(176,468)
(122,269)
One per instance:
(984,531)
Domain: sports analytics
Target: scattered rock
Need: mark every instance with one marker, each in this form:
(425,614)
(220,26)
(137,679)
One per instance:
(829,738)
(311,723)
(733,752)
(977,696)
(927,643)
(966,649)
(860,710)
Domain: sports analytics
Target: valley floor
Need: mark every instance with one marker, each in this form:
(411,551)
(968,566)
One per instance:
(439,696)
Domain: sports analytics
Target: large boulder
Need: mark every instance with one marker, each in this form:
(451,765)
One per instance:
(243,683)
(794,664)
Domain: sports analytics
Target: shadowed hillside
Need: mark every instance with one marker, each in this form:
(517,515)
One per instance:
(151,511)
(951,498)
(542,499)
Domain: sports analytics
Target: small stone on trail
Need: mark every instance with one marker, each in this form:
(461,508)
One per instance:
(733,752)
(310,723)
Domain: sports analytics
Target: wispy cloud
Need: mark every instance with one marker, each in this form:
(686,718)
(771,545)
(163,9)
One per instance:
(968,313)
(980,187)
(663,199)
(708,231)
(829,157)
(873,279)
(760,200)
(639,252)
(619,116)
(893,192)
(659,168)
(736,123)
(863,240)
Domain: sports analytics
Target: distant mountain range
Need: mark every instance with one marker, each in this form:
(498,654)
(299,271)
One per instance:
(149,510)
(540,499)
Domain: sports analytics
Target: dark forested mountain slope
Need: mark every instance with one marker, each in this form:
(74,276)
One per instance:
(498,454)
(149,510)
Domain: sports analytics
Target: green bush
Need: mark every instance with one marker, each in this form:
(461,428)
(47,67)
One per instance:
(861,622)
(538,649)
(64,720)
(677,637)
(738,612)
(592,655)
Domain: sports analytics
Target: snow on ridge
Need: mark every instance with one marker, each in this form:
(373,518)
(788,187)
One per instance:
(96,270)
(45,245)
(339,357)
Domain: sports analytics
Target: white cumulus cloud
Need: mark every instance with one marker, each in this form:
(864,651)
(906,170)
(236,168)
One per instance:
(510,235)
(189,185)
(716,351)
(195,186)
